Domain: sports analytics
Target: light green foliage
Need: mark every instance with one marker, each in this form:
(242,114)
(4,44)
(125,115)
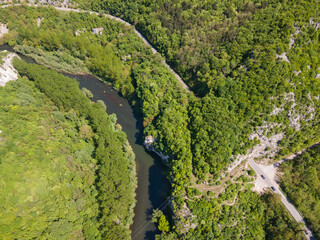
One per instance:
(102,104)
(61,61)
(116,180)
(163,224)
(226,51)
(47,172)
(2,55)
(87,93)
(251,217)
(156,214)
(161,220)
(301,182)
(55,45)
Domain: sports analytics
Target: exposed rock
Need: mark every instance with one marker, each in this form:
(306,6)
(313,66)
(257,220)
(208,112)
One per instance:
(184,217)
(316,25)
(268,146)
(7,71)
(39,20)
(284,57)
(259,150)
(292,37)
(78,32)
(97,30)
(297,73)
(148,143)
(126,57)
(64,3)
(276,111)
(295,117)
(243,67)
(3,29)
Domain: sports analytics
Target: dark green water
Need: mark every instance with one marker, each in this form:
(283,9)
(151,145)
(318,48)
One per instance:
(152,183)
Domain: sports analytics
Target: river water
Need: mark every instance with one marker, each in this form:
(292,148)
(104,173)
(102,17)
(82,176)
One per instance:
(152,183)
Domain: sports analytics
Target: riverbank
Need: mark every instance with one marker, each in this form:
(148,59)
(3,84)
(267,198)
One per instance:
(153,185)
(60,61)
(67,9)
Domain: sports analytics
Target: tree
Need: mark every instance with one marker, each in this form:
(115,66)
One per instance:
(163,224)
(156,215)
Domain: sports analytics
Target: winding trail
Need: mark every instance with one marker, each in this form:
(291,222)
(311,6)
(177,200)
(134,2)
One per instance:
(183,84)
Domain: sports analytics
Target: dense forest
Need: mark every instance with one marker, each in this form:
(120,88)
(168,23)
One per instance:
(251,217)
(244,59)
(63,162)
(47,170)
(251,65)
(301,182)
(226,51)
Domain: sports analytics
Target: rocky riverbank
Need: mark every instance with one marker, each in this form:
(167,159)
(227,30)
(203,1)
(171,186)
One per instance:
(7,71)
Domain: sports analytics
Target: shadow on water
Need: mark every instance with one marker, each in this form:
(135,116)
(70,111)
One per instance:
(153,185)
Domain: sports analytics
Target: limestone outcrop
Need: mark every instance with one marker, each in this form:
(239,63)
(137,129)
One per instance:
(7,71)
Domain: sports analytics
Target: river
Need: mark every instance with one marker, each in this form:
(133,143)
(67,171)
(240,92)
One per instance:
(153,185)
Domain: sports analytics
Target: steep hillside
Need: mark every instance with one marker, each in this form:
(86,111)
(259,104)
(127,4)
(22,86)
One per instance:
(254,69)
(47,170)
(61,168)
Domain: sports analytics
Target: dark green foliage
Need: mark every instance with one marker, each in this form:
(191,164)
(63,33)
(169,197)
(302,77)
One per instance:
(301,182)
(226,51)
(214,129)
(115,176)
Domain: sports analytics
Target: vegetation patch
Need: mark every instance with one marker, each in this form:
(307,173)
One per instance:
(301,182)
(61,61)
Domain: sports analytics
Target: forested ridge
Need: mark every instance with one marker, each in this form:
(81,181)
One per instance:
(67,171)
(244,59)
(238,58)
(47,170)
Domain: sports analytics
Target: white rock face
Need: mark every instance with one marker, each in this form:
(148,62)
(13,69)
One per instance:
(7,71)
(3,29)
(39,20)
(283,57)
(259,150)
